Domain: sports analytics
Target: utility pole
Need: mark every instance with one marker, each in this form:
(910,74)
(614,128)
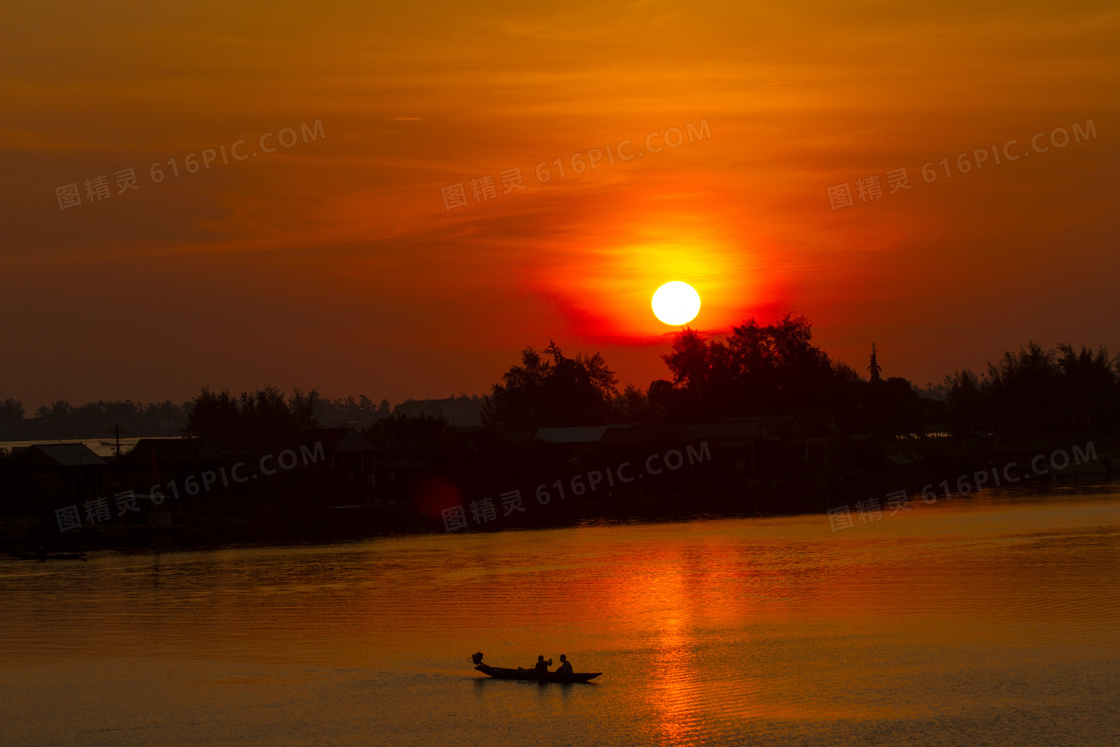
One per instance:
(117,431)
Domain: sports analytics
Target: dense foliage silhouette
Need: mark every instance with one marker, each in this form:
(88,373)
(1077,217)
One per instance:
(757,370)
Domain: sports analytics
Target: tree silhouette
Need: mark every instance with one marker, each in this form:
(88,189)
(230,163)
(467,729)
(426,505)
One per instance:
(552,391)
(212,414)
(264,409)
(760,370)
(875,368)
(632,406)
(11,417)
(1035,392)
(966,402)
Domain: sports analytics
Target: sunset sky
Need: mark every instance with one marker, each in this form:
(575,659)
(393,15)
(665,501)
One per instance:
(334,263)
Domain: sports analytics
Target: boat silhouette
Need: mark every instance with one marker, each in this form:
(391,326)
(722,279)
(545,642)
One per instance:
(503,673)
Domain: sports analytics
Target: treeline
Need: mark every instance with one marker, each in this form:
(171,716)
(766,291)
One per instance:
(267,408)
(216,414)
(1038,391)
(93,420)
(213,414)
(757,370)
(776,370)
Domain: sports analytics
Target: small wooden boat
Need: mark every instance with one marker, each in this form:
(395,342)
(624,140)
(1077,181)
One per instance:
(501,673)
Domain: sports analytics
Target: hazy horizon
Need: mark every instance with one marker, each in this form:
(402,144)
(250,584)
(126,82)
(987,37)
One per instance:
(376,397)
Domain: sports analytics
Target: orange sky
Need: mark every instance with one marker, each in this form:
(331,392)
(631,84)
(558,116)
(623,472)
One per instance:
(334,263)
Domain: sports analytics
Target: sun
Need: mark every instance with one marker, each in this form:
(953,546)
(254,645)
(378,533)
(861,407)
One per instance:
(676,303)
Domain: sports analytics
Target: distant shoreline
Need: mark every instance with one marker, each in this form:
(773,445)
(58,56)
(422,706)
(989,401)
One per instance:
(636,509)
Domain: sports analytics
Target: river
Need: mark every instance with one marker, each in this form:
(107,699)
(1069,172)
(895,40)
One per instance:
(992,620)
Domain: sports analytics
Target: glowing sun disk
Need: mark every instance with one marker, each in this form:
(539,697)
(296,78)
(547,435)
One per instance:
(676,303)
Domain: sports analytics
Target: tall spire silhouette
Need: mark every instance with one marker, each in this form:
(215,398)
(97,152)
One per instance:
(875,368)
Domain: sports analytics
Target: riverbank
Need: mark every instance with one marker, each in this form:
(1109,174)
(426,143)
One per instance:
(325,485)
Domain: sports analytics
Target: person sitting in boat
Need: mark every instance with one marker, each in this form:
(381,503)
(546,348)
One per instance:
(565,667)
(542,666)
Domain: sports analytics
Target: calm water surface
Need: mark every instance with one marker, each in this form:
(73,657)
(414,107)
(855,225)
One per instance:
(993,621)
